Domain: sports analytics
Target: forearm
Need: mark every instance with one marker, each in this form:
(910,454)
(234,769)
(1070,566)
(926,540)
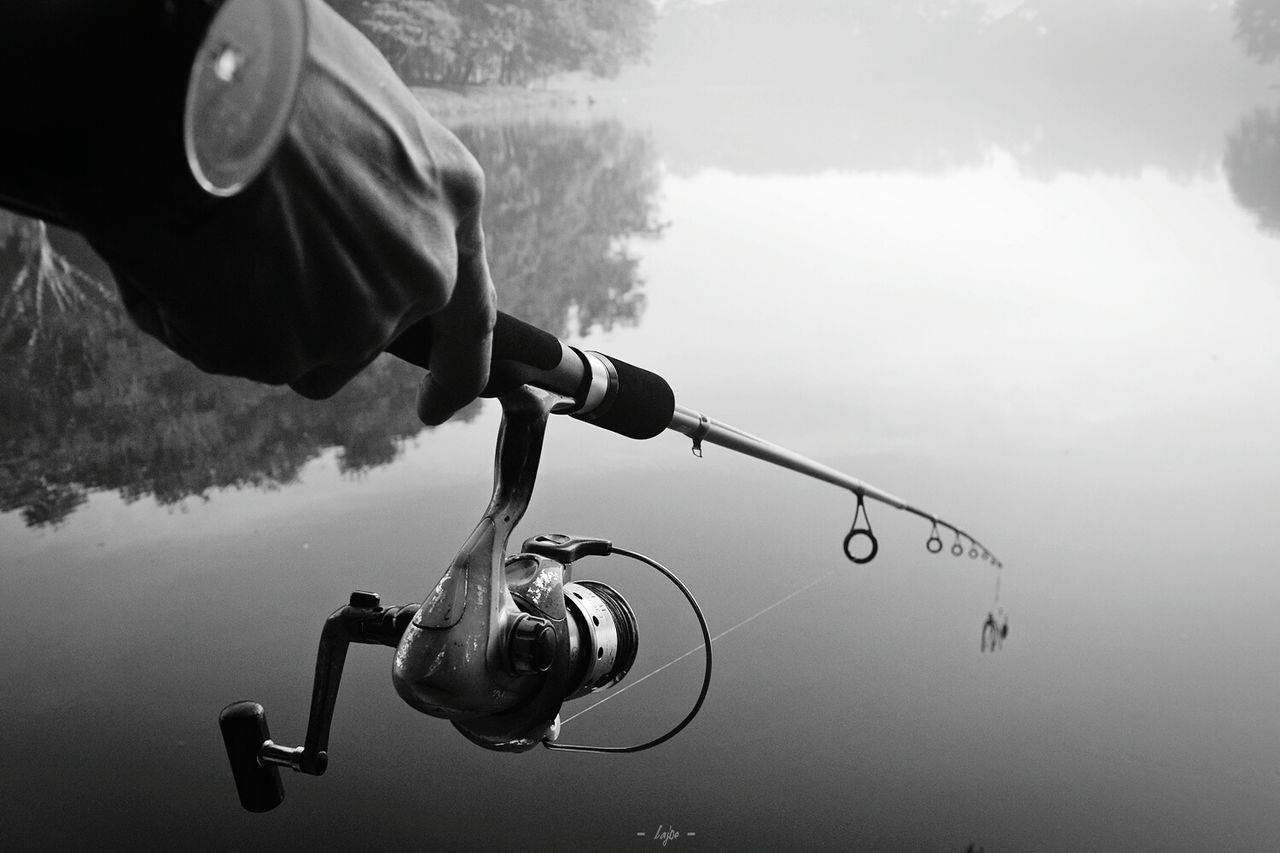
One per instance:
(365,220)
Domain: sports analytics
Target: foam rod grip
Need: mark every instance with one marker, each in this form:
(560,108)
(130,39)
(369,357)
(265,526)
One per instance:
(639,404)
(244,730)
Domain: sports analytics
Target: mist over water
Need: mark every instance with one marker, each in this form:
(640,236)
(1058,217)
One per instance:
(1027,285)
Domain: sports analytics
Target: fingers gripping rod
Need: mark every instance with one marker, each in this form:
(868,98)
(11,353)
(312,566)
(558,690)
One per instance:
(639,404)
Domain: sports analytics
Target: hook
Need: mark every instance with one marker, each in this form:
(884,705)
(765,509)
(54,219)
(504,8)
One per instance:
(856,531)
(934,543)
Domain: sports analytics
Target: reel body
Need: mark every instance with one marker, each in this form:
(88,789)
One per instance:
(494,647)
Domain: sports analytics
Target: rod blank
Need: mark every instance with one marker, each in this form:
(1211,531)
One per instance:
(699,427)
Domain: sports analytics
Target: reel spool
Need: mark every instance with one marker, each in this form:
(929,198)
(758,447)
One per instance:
(603,637)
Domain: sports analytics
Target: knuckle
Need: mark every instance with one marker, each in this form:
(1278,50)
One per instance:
(466,181)
(427,279)
(490,314)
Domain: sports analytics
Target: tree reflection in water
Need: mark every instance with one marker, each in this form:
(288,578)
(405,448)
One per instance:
(1252,163)
(563,201)
(89,403)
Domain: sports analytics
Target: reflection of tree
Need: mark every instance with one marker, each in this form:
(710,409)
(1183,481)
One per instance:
(1252,164)
(94,404)
(1258,28)
(89,403)
(562,204)
(37,277)
(511,42)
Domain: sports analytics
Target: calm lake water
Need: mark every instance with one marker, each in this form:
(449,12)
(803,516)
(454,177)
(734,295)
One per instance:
(1053,331)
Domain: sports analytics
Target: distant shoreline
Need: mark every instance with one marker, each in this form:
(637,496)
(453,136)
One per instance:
(460,102)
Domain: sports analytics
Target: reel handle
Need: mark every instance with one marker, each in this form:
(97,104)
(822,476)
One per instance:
(255,758)
(245,732)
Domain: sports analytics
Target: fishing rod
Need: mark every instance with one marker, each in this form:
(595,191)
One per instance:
(640,404)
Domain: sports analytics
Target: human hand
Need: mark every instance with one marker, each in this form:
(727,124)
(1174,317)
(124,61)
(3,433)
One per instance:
(366,221)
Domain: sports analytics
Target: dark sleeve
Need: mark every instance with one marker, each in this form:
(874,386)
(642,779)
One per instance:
(88,105)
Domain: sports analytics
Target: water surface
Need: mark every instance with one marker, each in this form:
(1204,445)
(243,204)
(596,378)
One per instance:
(1068,349)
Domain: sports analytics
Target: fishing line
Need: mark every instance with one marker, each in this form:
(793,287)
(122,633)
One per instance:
(623,689)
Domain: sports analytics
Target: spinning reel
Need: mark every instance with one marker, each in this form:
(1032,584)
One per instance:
(498,645)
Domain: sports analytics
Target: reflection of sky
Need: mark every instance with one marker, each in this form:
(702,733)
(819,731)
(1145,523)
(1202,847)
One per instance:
(1076,368)
(1071,303)
(1079,369)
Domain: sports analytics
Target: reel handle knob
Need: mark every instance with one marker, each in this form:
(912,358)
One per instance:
(244,731)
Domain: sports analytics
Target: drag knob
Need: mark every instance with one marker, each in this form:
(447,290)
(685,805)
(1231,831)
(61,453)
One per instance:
(531,646)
